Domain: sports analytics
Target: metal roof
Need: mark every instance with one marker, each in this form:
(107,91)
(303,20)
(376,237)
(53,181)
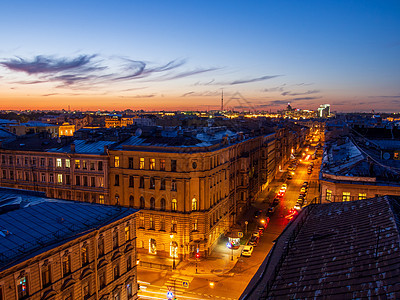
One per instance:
(84,147)
(41,223)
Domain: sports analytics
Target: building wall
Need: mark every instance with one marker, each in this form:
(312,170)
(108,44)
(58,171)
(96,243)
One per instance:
(63,285)
(48,172)
(223,180)
(357,190)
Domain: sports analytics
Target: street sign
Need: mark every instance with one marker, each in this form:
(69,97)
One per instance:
(185,284)
(170,295)
(240,234)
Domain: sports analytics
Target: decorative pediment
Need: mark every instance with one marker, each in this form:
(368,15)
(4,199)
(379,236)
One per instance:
(86,273)
(67,283)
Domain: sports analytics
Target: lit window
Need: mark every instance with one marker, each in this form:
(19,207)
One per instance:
(152,246)
(101,199)
(59,163)
(194,204)
(22,287)
(67,163)
(162,164)
(328,195)
(152,164)
(151,221)
(84,165)
(195,222)
(59,178)
(77,164)
(116,161)
(362,196)
(66,264)
(127,233)
(85,254)
(141,163)
(45,272)
(346,196)
(101,181)
(174,205)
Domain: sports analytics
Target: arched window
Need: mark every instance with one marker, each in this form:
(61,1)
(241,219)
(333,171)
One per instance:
(152,203)
(152,183)
(131,201)
(142,202)
(194,204)
(162,204)
(173,205)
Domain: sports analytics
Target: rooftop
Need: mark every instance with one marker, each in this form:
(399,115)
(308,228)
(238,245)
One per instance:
(31,224)
(347,250)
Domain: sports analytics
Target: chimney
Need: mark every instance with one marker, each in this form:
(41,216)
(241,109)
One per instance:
(73,147)
(106,149)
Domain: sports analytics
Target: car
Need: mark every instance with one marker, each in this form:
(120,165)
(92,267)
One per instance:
(289,177)
(297,206)
(303,189)
(271,210)
(256,234)
(247,250)
(281,193)
(276,201)
(284,186)
(309,172)
(257,213)
(303,194)
(305,183)
(253,241)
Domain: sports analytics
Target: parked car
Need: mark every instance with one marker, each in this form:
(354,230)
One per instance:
(297,206)
(271,210)
(247,250)
(253,240)
(305,183)
(257,213)
(276,202)
(303,189)
(256,234)
(284,186)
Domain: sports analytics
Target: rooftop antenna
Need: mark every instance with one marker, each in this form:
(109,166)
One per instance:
(222,100)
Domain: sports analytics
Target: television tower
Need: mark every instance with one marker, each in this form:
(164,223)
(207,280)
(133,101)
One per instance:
(222,101)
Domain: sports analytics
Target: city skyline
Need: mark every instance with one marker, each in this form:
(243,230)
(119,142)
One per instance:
(181,56)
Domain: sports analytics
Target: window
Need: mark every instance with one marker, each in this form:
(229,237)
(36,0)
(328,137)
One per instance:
(115,238)
(162,164)
(173,226)
(10,160)
(51,178)
(84,165)
(5,174)
(131,201)
(346,196)
(102,280)
(101,199)
(58,163)
(85,254)
(92,181)
(25,159)
(162,223)
(127,233)
(142,204)
(141,163)
(22,287)
(46,274)
(100,246)
(26,175)
(50,162)
(173,165)
(116,161)
(11,174)
(362,196)
(77,164)
(42,162)
(33,162)
(3,159)
(92,166)
(59,178)
(151,221)
(129,262)
(85,290)
(195,224)
(116,180)
(152,183)
(67,163)
(173,205)
(173,185)
(328,195)
(116,271)
(100,166)
(152,164)
(101,181)
(162,204)
(66,264)
(131,181)
(141,182)
(77,180)
(194,204)
(141,221)
(130,162)
(152,246)
(129,290)
(67,179)
(162,185)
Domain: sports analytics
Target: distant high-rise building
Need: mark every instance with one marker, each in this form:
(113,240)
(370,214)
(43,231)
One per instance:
(324,110)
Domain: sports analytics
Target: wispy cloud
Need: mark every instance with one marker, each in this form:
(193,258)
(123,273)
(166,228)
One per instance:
(202,94)
(92,71)
(304,98)
(238,81)
(288,93)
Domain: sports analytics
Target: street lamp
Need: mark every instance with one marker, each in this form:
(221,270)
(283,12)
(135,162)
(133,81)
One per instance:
(173,251)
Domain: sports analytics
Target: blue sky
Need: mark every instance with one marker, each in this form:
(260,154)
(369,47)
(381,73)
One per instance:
(181,54)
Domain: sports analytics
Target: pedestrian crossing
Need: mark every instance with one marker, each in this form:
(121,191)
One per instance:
(177,284)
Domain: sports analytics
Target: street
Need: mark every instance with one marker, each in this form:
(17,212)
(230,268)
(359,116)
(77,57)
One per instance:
(229,286)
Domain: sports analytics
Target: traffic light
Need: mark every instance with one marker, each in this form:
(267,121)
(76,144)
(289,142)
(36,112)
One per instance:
(197,255)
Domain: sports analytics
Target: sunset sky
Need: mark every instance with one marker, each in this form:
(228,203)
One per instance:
(167,55)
